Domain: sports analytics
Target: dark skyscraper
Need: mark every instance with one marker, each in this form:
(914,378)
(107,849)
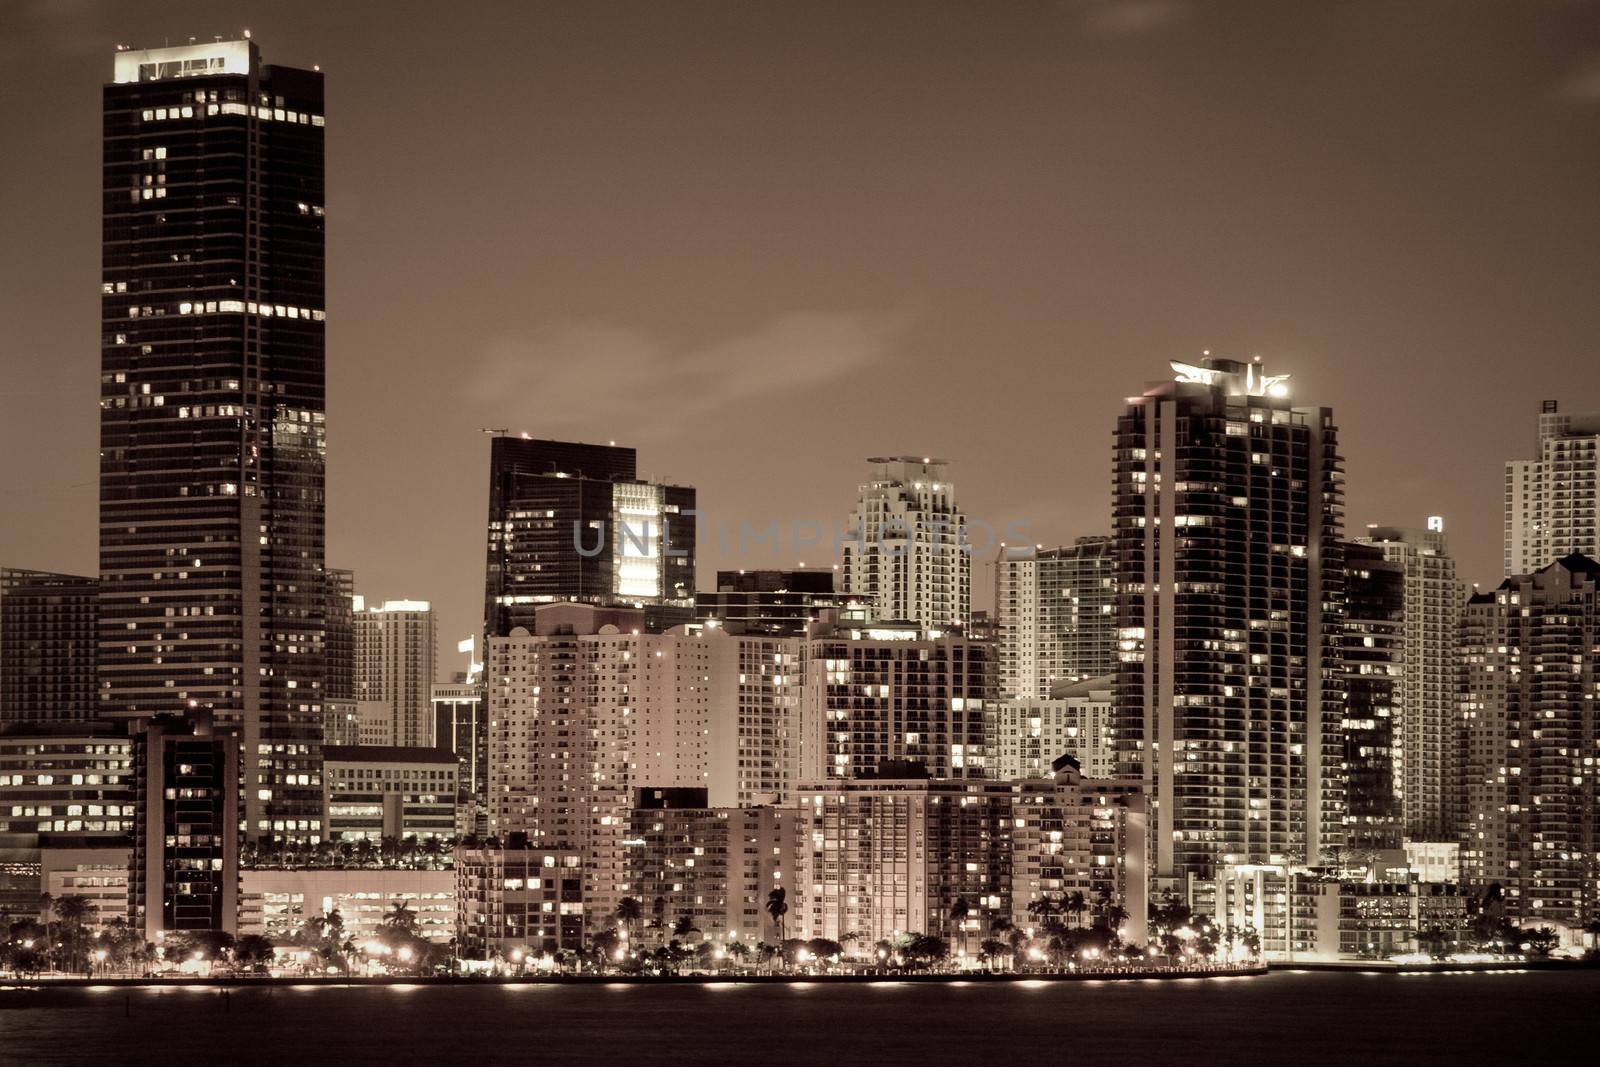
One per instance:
(340,725)
(47,647)
(1373,684)
(573,522)
(781,602)
(1227,512)
(212,411)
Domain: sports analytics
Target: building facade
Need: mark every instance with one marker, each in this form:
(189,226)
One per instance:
(1528,728)
(379,791)
(713,866)
(877,693)
(212,411)
(66,778)
(340,723)
(1372,678)
(1055,614)
(184,874)
(1429,695)
(516,899)
(904,551)
(1025,736)
(1228,514)
(395,649)
(48,647)
(778,602)
(461,727)
(278,903)
(1550,499)
(573,522)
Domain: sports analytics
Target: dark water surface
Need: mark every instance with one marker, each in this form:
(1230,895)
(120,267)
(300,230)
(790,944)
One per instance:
(1288,1018)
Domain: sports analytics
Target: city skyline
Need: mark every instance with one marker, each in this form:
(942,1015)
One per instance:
(1028,301)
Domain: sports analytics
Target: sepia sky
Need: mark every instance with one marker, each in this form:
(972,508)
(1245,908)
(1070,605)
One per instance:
(763,241)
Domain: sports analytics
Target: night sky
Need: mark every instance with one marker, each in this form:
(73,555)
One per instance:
(761,242)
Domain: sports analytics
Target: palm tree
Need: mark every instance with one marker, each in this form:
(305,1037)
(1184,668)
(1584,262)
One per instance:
(401,916)
(778,907)
(1075,905)
(684,926)
(629,911)
(253,951)
(70,912)
(959,910)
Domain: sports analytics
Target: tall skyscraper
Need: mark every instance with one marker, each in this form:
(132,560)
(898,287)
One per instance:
(1055,610)
(461,727)
(1227,510)
(904,551)
(394,668)
(1427,704)
(1373,684)
(573,522)
(1550,499)
(1528,731)
(48,644)
(212,411)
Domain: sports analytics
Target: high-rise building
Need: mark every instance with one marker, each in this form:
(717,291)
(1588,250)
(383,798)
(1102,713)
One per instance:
(212,407)
(1026,735)
(1227,509)
(905,552)
(1550,499)
(1055,610)
(588,709)
(883,856)
(573,522)
(394,665)
(185,869)
(769,601)
(1429,697)
(340,723)
(1528,730)
(461,727)
(1373,683)
(879,692)
(714,866)
(48,644)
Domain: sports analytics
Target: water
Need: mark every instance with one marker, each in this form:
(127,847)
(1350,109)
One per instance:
(1350,1019)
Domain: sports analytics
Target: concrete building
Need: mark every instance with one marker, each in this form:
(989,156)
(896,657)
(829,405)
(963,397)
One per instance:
(1429,698)
(715,866)
(516,899)
(893,692)
(1227,515)
(1371,676)
(882,857)
(1550,499)
(184,874)
(213,409)
(1314,916)
(48,647)
(341,725)
(590,708)
(278,903)
(1026,735)
(1528,731)
(379,791)
(394,664)
(99,875)
(904,551)
(66,778)
(1055,613)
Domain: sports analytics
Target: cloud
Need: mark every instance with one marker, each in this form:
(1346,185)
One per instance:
(1582,84)
(594,376)
(1128,18)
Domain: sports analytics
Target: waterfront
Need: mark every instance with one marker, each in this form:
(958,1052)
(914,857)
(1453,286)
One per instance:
(1311,1017)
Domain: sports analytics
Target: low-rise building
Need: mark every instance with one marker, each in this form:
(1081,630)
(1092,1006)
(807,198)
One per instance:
(378,791)
(277,903)
(66,778)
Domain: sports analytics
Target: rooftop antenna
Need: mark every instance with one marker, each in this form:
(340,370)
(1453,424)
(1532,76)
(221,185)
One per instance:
(497,431)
